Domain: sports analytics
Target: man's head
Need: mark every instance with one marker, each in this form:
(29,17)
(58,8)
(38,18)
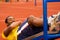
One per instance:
(9,20)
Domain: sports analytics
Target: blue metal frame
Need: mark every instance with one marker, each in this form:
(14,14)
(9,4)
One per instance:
(38,38)
(53,0)
(46,36)
(45,19)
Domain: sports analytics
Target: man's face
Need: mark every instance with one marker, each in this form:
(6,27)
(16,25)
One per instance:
(10,19)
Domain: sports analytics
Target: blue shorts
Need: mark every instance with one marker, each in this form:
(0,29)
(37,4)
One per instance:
(28,31)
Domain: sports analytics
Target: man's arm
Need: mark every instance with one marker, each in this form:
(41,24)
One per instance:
(11,27)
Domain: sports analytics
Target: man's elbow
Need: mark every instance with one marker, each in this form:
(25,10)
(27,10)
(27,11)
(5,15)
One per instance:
(7,31)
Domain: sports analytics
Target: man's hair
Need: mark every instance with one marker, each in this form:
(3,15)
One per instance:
(6,20)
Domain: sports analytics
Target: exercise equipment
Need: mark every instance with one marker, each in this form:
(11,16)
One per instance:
(40,35)
(46,36)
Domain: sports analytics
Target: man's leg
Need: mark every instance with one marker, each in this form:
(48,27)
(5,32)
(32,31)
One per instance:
(38,22)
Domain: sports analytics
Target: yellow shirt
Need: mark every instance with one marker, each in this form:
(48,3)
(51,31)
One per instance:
(12,35)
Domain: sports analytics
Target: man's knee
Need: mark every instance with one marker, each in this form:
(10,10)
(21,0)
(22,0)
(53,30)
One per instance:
(30,19)
(35,21)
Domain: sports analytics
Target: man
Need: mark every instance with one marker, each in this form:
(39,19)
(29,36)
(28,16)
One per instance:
(10,33)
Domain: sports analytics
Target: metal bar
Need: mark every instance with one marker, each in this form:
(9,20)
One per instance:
(53,0)
(45,19)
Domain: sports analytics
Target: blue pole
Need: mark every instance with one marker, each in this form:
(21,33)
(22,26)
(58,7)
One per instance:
(45,19)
